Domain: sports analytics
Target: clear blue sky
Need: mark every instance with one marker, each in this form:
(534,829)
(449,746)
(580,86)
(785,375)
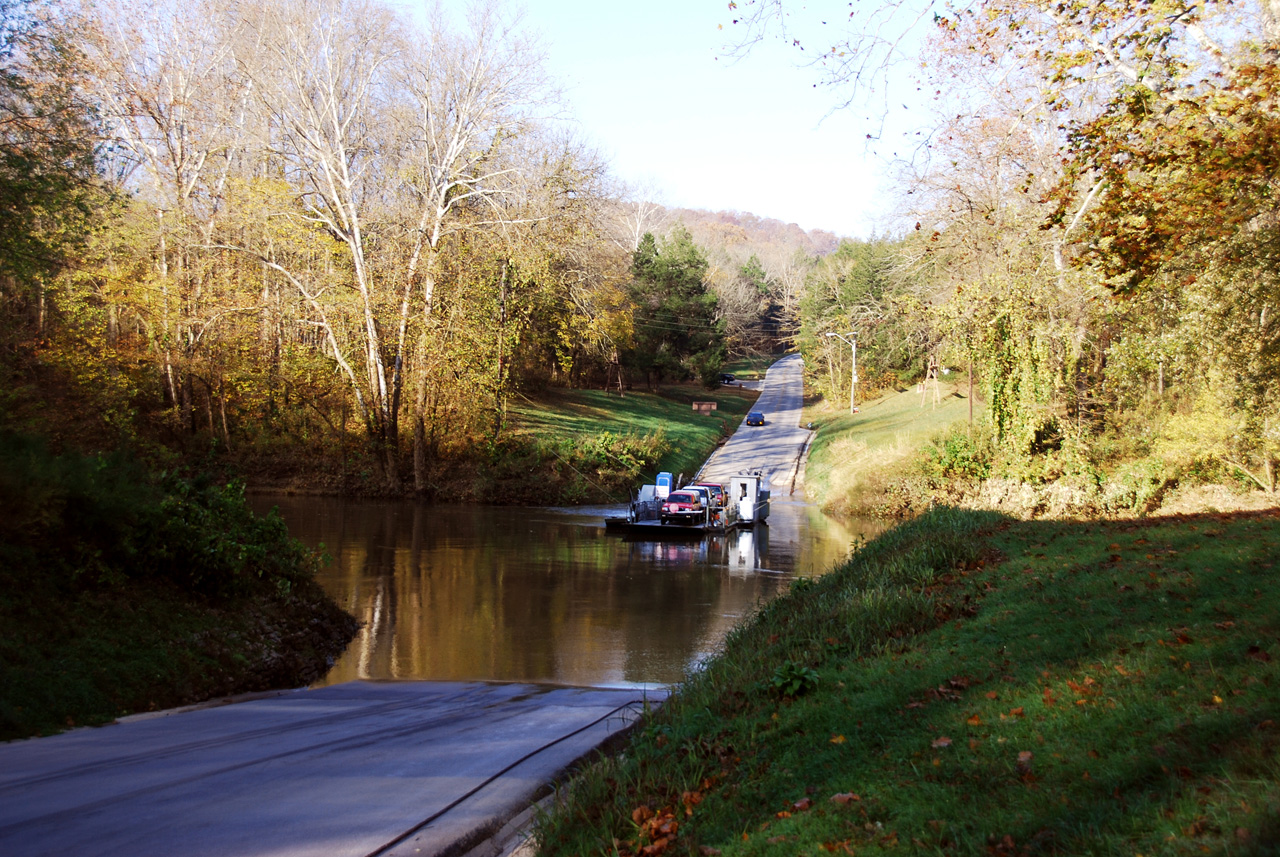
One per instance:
(650,86)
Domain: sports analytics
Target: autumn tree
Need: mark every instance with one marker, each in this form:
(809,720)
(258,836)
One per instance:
(47,168)
(1084,151)
(635,211)
(173,111)
(50,194)
(1170,110)
(475,96)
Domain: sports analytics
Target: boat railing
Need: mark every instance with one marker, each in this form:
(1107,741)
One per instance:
(644,510)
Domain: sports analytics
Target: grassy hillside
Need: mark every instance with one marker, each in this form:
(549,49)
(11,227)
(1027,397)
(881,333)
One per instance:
(968,684)
(686,438)
(853,459)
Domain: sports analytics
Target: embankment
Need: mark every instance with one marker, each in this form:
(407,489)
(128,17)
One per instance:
(122,590)
(970,684)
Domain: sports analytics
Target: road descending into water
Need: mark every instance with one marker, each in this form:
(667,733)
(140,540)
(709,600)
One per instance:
(776,449)
(349,770)
(394,768)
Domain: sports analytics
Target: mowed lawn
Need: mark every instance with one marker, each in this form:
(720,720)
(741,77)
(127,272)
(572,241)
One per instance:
(691,437)
(852,455)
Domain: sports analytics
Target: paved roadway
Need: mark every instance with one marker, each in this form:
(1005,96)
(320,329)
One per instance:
(776,448)
(360,769)
(399,768)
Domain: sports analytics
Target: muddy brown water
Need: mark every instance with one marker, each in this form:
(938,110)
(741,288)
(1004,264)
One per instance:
(544,595)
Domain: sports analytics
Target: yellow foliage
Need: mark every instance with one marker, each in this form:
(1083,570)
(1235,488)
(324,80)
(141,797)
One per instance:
(1215,431)
(1212,430)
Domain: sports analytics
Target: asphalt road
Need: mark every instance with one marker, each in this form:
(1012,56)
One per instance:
(776,448)
(361,768)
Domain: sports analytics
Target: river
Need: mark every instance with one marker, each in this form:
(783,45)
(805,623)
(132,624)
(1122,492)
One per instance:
(543,595)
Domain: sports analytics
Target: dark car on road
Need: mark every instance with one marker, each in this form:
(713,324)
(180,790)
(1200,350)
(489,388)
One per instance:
(755,418)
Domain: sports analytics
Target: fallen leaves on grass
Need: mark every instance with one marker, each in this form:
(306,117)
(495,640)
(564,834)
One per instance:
(657,832)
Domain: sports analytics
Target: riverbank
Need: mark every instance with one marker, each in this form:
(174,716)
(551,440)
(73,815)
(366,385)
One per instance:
(906,452)
(561,447)
(120,594)
(124,591)
(972,684)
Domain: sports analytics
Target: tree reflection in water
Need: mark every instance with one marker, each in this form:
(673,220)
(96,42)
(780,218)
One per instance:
(453,593)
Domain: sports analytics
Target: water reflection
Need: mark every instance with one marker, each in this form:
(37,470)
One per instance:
(542,594)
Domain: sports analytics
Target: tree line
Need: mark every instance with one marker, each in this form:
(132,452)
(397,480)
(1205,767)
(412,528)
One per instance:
(1087,222)
(252,224)
(326,225)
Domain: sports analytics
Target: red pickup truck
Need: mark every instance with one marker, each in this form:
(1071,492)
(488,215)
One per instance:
(683,507)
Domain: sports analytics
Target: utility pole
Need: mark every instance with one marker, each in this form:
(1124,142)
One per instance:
(852,338)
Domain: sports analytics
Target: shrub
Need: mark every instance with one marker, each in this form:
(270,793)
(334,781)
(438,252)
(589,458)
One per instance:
(962,451)
(102,520)
(1137,486)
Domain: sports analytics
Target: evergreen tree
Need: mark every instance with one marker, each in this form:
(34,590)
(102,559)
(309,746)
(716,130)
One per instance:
(678,332)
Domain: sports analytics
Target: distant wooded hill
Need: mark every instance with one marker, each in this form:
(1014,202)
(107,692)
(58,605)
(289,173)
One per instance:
(729,228)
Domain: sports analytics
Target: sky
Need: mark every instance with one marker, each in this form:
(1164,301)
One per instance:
(651,85)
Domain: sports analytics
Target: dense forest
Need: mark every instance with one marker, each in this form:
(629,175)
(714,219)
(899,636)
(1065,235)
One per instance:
(322,229)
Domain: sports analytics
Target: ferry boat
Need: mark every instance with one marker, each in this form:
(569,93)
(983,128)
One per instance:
(741,503)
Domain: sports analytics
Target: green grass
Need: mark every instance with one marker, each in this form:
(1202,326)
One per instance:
(853,458)
(690,437)
(976,686)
